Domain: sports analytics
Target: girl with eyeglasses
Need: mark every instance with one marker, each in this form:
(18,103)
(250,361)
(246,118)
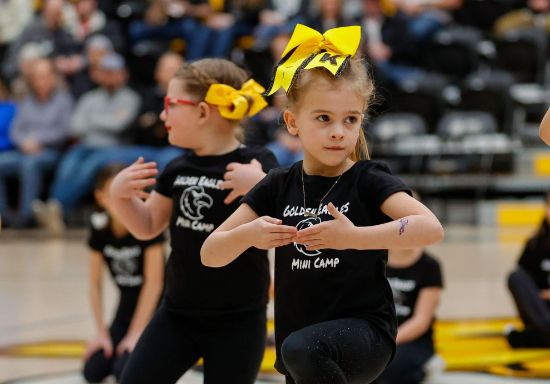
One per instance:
(218,315)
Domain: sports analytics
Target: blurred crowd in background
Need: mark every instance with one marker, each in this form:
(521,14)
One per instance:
(82,81)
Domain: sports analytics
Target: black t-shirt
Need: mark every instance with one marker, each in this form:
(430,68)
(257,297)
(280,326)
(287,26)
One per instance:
(124,257)
(316,286)
(406,283)
(192,182)
(535,260)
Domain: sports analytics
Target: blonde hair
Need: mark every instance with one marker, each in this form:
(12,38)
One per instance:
(360,81)
(199,75)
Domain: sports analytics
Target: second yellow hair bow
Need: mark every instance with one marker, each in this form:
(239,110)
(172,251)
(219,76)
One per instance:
(234,104)
(308,49)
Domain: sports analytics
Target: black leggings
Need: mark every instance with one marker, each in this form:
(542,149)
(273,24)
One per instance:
(171,344)
(98,367)
(336,352)
(533,310)
(407,367)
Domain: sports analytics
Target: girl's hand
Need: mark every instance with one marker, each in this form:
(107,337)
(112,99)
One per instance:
(267,232)
(102,341)
(240,178)
(128,343)
(333,234)
(131,181)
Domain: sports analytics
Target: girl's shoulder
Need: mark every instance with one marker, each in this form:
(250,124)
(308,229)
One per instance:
(372,166)
(278,180)
(374,171)
(429,260)
(281,174)
(178,162)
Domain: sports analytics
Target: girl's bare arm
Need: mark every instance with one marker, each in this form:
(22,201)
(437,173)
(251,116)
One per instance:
(242,230)
(153,279)
(424,312)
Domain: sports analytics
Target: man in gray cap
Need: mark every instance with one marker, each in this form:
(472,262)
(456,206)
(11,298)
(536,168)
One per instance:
(99,120)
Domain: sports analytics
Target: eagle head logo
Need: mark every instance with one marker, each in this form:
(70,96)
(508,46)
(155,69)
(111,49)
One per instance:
(125,267)
(306,223)
(193,199)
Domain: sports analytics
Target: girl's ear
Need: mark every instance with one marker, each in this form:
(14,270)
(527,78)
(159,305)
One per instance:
(204,111)
(290,122)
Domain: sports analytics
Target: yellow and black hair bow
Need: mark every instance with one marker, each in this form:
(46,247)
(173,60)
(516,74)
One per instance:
(234,104)
(308,49)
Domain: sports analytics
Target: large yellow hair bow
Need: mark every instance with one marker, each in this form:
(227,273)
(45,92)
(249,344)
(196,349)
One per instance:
(234,104)
(308,49)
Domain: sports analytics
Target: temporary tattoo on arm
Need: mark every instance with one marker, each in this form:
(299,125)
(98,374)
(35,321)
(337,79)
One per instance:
(402,224)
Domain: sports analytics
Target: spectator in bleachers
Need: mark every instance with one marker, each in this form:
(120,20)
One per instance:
(7,113)
(29,54)
(147,137)
(85,21)
(544,129)
(328,14)
(150,138)
(100,118)
(15,15)
(536,13)
(387,43)
(46,29)
(277,17)
(237,18)
(416,282)
(97,47)
(529,284)
(426,17)
(167,20)
(39,132)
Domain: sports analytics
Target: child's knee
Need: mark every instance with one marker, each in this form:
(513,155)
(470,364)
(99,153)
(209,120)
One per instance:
(96,369)
(298,353)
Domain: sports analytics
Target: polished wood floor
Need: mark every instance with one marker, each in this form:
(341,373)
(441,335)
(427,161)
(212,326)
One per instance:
(43,291)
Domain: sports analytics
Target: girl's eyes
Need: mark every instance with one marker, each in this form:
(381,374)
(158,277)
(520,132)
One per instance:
(351,119)
(347,120)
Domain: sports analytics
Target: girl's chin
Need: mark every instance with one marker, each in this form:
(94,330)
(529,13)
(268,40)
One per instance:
(178,143)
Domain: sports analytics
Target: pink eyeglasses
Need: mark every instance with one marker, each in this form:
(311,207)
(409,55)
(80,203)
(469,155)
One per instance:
(169,100)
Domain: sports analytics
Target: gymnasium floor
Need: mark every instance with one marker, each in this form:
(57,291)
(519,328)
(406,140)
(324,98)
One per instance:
(44,305)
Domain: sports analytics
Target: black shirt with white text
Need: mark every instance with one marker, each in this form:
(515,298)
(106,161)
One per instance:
(407,282)
(193,184)
(124,257)
(316,286)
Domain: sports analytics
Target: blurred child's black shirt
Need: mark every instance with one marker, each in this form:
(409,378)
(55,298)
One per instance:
(124,256)
(406,283)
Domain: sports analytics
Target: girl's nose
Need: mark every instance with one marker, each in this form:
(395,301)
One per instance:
(163,115)
(337,132)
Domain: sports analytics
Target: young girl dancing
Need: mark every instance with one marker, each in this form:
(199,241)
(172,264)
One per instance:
(137,269)
(332,217)
(216,314)
(529,284)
